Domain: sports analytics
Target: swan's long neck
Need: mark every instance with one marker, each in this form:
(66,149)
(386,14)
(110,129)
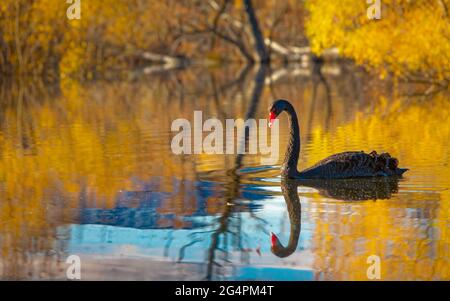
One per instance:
(294,236)
(294,209)
(289,166)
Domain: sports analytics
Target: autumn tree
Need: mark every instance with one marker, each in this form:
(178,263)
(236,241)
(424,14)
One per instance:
(411,39)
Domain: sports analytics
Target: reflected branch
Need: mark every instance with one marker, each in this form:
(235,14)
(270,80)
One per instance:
(233,186)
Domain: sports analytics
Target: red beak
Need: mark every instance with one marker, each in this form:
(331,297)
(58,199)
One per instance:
(272,117)
(273,239)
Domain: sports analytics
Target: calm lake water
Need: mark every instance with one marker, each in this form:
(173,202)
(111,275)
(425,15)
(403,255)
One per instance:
(87,170)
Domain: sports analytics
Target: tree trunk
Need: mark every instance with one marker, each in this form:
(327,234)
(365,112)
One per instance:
(258,38)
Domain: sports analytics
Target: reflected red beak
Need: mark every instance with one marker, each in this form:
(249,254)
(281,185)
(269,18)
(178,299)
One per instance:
(273,239)
(272,117)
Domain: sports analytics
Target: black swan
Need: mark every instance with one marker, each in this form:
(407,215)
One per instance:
(344,165)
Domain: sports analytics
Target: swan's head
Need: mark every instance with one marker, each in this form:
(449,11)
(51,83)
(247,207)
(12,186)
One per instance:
(278,249)
(274,241)
(276,108)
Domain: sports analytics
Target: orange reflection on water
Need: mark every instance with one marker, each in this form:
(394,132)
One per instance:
(84,146)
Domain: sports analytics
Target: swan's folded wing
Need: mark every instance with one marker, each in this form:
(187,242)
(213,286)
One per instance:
(354,164)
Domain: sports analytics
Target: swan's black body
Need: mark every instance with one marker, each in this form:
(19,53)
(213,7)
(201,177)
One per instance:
(355,164)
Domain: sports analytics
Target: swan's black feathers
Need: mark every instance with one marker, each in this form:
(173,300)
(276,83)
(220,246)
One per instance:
(354,165)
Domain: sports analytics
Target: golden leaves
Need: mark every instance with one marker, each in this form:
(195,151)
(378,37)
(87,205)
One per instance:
(412,36)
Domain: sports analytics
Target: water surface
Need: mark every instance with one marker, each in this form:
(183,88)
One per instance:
(87,169)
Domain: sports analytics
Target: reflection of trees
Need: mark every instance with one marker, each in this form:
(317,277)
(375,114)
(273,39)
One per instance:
(21,95)
(120,117)
(401,230)
(317,78)
(229,221)
(28,225)
(233,191)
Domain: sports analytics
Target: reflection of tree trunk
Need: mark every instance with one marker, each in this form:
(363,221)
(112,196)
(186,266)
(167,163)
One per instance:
(254,100)
(239,81)
(258,38)
(317,77)
(233,187)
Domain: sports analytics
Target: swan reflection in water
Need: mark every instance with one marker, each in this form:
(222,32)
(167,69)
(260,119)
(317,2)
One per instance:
(344,189)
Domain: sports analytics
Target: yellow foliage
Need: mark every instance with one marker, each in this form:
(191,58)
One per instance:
(37,38)
(411,36)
